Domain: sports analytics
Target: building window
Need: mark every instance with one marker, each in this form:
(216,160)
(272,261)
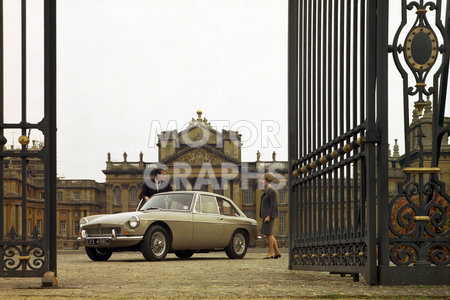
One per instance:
(76,228)
(62,228)
(133,195)
(282,193)
(76,196)
(249,197)
(283,223)
(117,195)
(59,196)
(42,195)
(39,226)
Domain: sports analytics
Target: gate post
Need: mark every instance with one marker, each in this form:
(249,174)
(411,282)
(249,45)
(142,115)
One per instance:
(28,254)
(292,118)
(382,129)
(50,137)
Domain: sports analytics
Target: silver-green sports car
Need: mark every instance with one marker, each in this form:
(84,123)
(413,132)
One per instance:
(178,222)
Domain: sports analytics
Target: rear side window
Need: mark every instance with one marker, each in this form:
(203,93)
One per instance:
(209,204)
(226,208)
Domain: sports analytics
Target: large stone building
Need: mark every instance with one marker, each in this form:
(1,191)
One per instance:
(75,199)
(200,158)
(197,158)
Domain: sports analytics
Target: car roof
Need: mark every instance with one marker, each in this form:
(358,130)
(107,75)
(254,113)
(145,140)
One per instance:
(194,192)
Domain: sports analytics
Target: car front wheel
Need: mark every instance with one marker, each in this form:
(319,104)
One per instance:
(237,246)
(98,254)
(155,244)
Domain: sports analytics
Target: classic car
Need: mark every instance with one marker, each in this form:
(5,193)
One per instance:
(183,222)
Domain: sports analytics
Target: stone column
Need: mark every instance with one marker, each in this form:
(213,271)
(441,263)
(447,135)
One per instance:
(109,198)
(226,190)
(19,219)
(69,226)
(124,197)
(237,194)
(58,229)
(5,219)
(258,194)
(12,219)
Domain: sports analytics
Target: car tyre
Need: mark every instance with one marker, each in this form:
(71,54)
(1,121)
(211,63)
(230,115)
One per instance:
(237,248)
(184,254)
(98,254)
(155,244)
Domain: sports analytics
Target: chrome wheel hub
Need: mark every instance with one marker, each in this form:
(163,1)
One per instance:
(158,243)
(239,243)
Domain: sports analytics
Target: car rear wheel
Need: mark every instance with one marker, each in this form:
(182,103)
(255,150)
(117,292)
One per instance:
(237,246)
(155,244)
(184,254)
(98,254)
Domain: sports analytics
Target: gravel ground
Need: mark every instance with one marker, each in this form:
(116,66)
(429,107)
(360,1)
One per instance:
(212,275)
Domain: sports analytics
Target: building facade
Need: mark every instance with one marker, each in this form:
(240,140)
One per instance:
(197,158)
(75,199)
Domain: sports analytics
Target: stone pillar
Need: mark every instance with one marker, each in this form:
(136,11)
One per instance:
(258,194)
(69,226)
(58,229)
(237,194)
(226,190)
(12,219)
(124,197)
(5,219)
(19,219)
(109,198)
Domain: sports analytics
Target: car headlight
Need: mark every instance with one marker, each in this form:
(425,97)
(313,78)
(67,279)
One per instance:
(134,222)
(83,221)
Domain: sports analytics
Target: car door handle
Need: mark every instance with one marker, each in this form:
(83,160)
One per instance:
(220,218)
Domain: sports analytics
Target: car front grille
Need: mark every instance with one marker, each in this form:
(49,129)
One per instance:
(101,231)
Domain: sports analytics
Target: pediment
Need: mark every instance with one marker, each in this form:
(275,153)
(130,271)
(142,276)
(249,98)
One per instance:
(198,156)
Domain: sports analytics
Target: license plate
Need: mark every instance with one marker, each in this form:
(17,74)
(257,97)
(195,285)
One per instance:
(98,242)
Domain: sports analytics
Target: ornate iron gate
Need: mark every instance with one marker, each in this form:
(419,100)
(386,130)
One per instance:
(23,252)
(415,228)
(340,210)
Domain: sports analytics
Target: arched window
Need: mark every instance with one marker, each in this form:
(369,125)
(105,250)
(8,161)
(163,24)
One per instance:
(117,195)
(133,195)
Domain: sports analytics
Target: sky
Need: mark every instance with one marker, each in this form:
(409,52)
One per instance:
(130,68)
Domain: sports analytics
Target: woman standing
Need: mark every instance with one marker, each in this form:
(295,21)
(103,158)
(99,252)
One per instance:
(268,211)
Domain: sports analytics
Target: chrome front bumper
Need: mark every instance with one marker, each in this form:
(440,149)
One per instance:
(112,240)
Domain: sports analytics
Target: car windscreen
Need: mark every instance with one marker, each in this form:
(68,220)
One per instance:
(170,202)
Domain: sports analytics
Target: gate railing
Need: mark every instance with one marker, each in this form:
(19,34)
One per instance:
(341,217)
(332,130)
(23,252)
(415,224)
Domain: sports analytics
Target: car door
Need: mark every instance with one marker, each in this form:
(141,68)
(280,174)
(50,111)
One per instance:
(208,225)
(230,217)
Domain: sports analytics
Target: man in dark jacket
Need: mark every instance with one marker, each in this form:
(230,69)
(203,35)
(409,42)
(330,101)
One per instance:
(156,184)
